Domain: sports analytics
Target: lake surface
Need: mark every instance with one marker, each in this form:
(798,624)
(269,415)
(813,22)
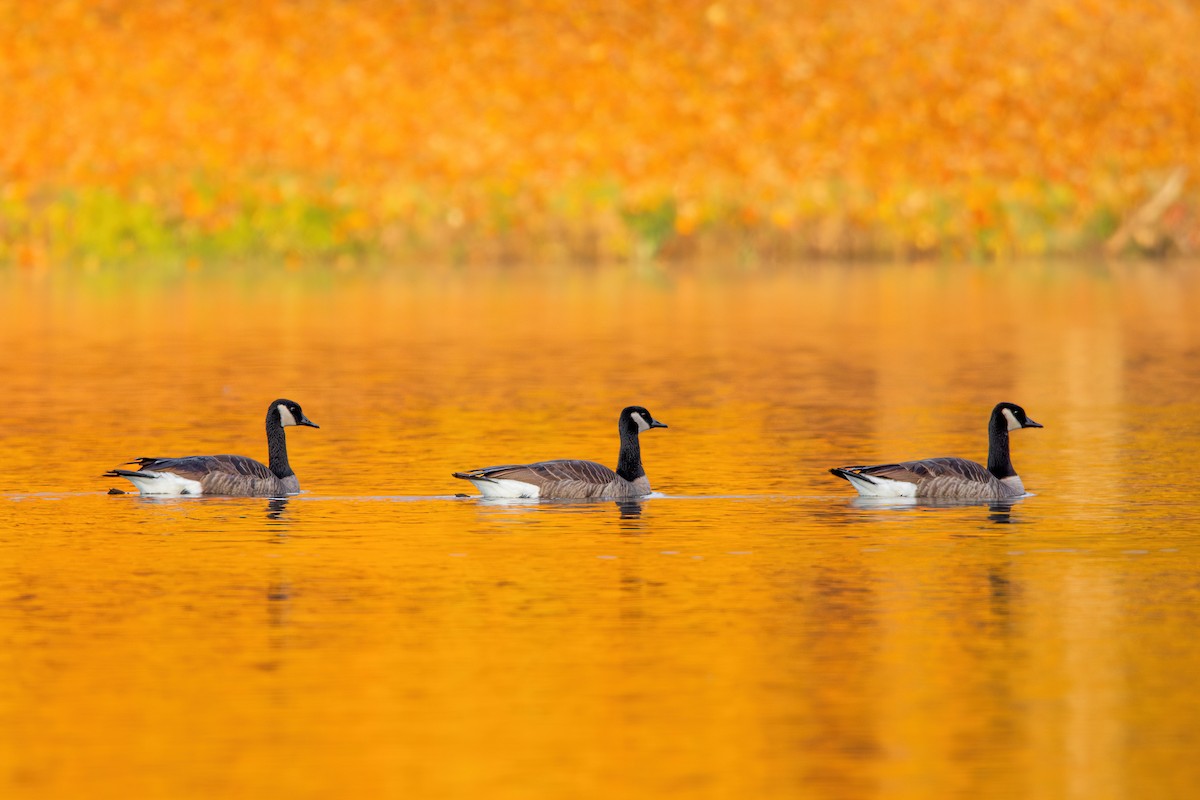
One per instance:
(751,631)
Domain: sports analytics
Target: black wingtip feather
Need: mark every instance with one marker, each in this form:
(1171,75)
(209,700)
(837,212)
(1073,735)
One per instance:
(845,474)
(477,475)
(120,473)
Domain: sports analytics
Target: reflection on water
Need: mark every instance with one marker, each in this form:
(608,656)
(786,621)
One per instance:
(1000,510)
(275,508)
(630,509)
(1001,513)
(749,631)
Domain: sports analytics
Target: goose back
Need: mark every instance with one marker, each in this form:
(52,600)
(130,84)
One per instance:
(948,477)
(228,475)
(573,478)
(560,479)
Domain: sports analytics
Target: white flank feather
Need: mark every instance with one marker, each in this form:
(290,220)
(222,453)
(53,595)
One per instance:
(489,487)
(881,487)
(165,483)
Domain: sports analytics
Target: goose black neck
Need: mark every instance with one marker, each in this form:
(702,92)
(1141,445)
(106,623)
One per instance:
(277,446)
(999,460)
(629,462)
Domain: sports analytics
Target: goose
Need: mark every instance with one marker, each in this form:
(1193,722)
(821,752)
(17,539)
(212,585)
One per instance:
(950,477)
(236,476)
(571,478)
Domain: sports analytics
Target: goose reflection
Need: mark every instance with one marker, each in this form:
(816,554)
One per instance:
(275,508)
(629,509)
(999,511)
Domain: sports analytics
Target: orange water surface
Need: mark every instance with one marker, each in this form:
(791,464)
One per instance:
(752,630)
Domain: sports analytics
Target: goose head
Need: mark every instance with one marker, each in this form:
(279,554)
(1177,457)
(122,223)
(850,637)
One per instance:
(639,419)
(289,413)
(1014,416)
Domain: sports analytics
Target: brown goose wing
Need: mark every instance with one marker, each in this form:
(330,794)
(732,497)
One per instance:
(197,468)
(944,477)
(543,473)
(955,469)
(928,469)
(555,479)
(227,475)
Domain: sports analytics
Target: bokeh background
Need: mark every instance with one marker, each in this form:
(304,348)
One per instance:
(553,131)
(418,219)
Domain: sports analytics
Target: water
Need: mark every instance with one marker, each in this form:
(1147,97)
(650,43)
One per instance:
(752,630)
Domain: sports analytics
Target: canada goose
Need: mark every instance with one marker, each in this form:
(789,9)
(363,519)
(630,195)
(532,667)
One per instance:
(236,476)
(950,477)
(574,479)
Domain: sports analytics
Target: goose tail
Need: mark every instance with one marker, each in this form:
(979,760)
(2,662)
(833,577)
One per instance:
(850,474)
(122,473)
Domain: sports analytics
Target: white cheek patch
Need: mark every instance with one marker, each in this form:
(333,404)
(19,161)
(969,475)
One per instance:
(642,425)
(285,416)
(1012,419)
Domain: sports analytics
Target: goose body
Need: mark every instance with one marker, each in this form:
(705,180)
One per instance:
(950,477)
(226,475)
(572,478)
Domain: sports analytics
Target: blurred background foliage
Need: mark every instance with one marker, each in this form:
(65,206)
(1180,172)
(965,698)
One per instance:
(468,131)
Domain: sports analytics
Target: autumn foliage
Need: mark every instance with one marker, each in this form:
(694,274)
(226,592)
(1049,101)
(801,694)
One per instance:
(475,130)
